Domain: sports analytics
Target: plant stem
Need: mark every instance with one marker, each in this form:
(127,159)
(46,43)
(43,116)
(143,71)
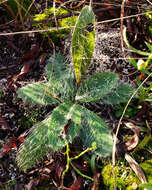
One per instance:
(81,154)
(132,48)
(68,161)
(81,174)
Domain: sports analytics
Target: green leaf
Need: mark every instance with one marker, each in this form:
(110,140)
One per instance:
(96,87)
(149,98)
(55,132)
(147,168)
(148,186)
(61,78)
(94,129)
(35,146)
(83,42)
(149,46)
(93,163)
(64,125)
(38,93)
(133,62)
(119,95)
(56,65)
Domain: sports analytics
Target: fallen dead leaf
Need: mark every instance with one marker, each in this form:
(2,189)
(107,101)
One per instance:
(32,54)
(134,140)
(28,60)
(25,69)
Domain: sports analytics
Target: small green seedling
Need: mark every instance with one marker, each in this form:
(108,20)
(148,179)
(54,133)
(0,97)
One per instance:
(141,65)
(144,93)
(67,88)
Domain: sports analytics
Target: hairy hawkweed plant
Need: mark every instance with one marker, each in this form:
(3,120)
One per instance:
(66,88)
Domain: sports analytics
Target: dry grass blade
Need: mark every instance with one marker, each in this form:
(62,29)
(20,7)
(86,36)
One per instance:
(118,127)
(136,168)
(119,124)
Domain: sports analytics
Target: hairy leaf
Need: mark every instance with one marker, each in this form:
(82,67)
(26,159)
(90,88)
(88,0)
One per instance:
(119,95)
(56,66)
(38,93)
(96,87)
(64,125)
(61,78)
(35,146)
(52,133)
(83,42)
(94,129)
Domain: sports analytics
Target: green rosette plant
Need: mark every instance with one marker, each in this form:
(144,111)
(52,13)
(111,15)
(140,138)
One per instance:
(66,89)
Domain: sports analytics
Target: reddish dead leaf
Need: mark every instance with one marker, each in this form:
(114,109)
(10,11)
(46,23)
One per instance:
(141,77)
(133,141)
(25,69)
(96,182)
(12,143)
(28,60)
(77,184)
(66,127)
(136,168)
(3,124)
(32,54)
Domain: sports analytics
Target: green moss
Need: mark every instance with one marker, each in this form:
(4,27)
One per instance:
(49,12)
(64,22)
(125,178)
(147,168)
